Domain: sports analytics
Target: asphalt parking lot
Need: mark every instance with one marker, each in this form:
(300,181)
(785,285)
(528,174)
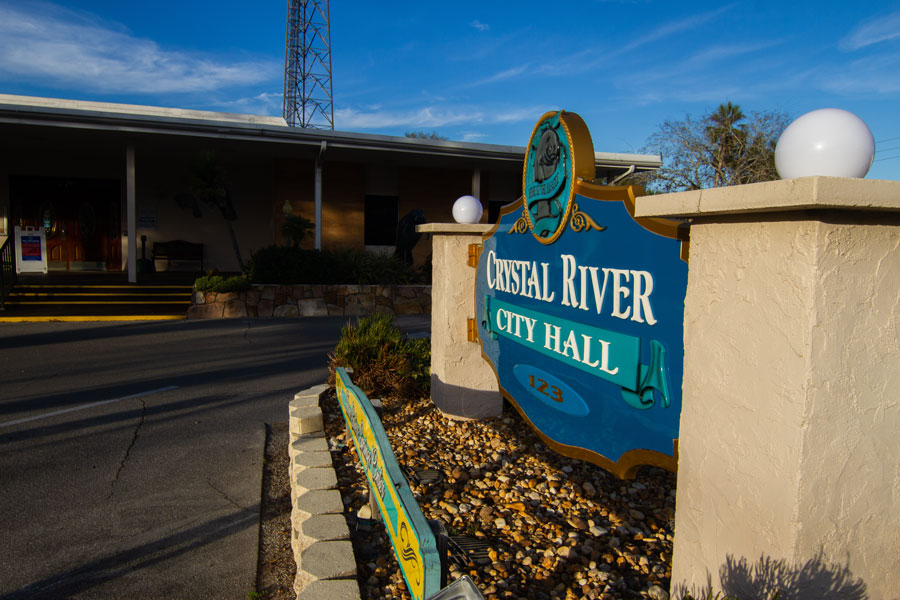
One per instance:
(131,453)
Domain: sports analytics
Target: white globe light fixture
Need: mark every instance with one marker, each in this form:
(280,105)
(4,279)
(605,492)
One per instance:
(467,209)
(828,141)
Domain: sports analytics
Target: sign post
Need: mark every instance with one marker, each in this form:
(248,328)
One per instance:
(580,308)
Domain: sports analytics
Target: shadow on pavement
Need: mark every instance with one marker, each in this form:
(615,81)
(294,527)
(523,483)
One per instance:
(113,566)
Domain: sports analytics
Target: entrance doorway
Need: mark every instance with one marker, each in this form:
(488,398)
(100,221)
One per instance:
(80,218)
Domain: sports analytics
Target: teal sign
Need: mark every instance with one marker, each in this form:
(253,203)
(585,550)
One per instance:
(411,537)
(580,308)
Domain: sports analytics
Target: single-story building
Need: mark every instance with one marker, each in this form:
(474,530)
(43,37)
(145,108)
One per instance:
(98,177)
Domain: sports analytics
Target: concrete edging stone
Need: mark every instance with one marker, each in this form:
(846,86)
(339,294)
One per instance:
(326,565)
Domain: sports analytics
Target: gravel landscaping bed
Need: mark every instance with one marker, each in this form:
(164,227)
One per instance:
(548,526)
(275,564)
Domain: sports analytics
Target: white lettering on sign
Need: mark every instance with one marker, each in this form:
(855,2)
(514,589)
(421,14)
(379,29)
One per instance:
(570,347)
(511,323)
(575,290)
(519,277)
(583,286)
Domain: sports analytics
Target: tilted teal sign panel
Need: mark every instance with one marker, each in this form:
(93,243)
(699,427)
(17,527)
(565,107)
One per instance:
(414,543)
(586,333)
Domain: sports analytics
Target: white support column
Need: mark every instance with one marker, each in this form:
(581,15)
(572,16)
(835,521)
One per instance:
(320,159)
(130,215)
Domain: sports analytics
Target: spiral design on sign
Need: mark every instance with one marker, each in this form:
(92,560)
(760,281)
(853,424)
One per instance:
(520,226)
(407,554)
(582,221)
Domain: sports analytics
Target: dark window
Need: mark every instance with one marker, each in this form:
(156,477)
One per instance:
(494,207)
(381,219)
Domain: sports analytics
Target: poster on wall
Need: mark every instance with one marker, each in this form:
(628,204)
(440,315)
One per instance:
(31,250)
(580,308)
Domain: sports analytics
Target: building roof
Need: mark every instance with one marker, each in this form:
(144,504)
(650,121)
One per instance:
(129,118)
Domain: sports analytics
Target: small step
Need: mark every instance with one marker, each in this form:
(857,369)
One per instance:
(136,308)
(19,298)
(96,301)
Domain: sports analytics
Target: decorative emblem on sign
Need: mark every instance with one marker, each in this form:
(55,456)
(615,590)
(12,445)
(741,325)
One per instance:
(585,333)
(553,162)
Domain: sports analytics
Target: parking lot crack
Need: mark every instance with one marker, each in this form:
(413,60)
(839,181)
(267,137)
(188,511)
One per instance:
(134,437)
(224,495)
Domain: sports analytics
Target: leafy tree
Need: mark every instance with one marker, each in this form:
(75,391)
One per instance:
(725,147)
(425,135)
(208,186)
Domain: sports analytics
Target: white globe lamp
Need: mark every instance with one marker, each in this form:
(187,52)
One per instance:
(828,141)
(467,209)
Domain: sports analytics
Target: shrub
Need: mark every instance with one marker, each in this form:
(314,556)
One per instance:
(366,268)
(280,264)
(420,359)
(283,265)
(217,283)
(384,360)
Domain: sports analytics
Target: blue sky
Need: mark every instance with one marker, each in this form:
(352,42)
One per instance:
(476,71)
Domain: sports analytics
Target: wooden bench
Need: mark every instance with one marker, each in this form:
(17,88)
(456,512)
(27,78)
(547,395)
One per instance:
(178,250)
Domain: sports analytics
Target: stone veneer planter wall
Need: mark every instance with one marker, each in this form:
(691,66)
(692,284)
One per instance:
(269,300)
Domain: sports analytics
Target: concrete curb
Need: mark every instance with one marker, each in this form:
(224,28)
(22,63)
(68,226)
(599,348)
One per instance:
(320,539)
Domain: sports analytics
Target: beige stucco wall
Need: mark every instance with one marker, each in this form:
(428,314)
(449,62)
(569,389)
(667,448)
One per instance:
(740,438)
(788,447)
(463,385)
(853,417)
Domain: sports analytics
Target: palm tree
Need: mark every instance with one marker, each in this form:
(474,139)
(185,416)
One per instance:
(728,140)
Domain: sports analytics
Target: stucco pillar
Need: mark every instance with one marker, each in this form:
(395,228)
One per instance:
(789,449)
(463,385)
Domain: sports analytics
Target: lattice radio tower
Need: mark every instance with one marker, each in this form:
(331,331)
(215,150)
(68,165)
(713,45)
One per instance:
(307,65)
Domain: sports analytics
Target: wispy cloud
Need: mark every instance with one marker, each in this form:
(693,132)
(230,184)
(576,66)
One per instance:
(702,63)
(673,27)
(261,104)
(581,61)
(872,31)
(868,76)
(499,76)
(349,119)
(40,41)
(714,54)
(479,25)
(526,114)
